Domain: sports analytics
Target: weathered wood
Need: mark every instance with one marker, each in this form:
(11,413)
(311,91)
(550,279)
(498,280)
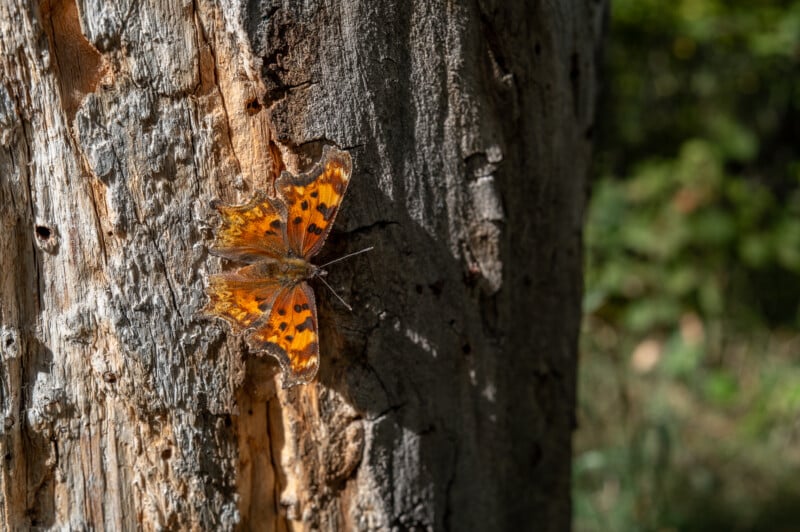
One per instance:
(444,401)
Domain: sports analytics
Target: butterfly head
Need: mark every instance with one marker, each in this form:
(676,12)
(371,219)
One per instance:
(316,271)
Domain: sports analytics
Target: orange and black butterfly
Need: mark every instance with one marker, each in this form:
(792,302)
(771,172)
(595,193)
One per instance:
(270,298)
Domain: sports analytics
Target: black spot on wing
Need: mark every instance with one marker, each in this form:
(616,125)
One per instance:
(326,211)
(307,324)
(275,224)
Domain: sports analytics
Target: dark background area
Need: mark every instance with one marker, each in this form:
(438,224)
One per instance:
(690,354)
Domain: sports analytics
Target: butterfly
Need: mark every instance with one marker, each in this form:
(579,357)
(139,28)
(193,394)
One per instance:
(270,298)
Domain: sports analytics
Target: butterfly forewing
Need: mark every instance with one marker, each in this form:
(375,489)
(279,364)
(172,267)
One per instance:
(291,334)
(252,231)
(312,201)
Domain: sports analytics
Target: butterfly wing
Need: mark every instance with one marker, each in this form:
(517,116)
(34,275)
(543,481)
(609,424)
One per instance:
(312,201)
(242,297)
(252,231)
(290,334)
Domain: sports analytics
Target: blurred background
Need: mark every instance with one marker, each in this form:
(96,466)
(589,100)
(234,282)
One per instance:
(689,395)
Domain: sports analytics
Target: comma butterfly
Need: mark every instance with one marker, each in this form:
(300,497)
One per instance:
(270,298)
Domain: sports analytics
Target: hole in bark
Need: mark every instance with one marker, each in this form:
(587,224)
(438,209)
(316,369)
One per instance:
(574,68)
(109,377)
(466,348)
(536,455)
(166,454)
(228,421)
(8,457)
(472,275)
(43,232)
(252,106)
(9,342)
(437,287)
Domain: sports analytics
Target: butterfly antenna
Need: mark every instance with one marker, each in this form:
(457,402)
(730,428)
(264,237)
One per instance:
(348,256)
(334,291)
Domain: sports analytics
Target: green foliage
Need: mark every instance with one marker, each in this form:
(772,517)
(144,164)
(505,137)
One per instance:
(684,234)
(690,376)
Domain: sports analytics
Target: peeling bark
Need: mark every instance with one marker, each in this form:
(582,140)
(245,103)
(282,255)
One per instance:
(444,401)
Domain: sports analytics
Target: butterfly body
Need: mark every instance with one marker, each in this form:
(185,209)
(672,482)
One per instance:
(269,298)
(289,271)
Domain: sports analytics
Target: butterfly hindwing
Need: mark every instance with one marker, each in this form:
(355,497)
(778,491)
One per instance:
(252,231)
(242,297)
(291,333)
(313,199)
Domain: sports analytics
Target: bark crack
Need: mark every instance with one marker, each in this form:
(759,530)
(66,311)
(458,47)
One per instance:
(380,224)
(275,469)
(166,277)
(31,206)
(99,227)
(213,52)
(389,410)
(353,147)
(278,94)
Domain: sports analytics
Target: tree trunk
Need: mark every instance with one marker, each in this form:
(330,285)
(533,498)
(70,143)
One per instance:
(444,400)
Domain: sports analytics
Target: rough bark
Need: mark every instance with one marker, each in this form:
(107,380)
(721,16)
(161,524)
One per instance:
(444,401)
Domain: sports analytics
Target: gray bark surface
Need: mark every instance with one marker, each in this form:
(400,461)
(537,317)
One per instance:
(444,401)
